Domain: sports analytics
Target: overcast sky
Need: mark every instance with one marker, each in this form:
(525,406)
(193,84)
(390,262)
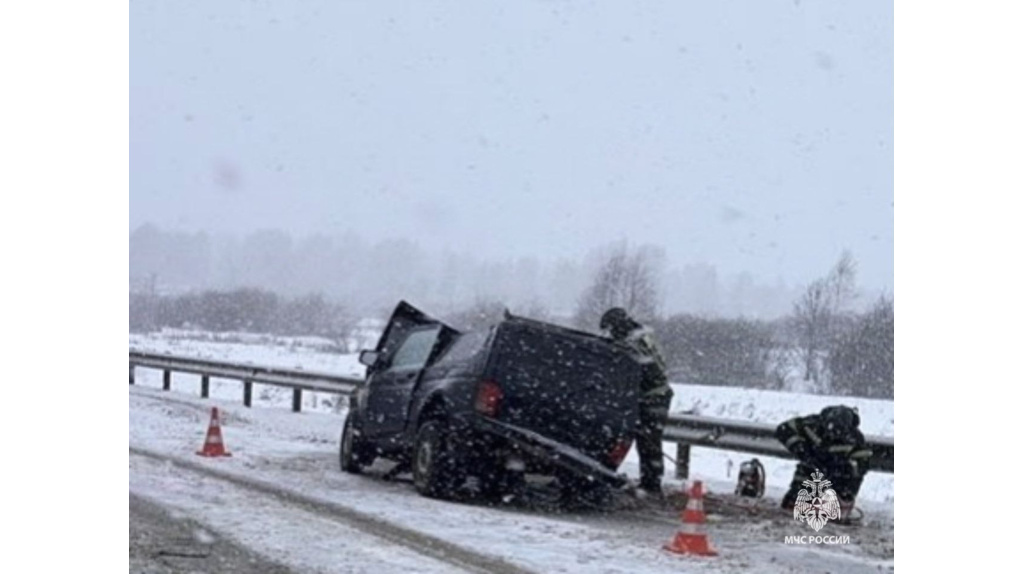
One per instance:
(756,136)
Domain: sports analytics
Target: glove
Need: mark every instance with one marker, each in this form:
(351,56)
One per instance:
(855,469)
(799,450)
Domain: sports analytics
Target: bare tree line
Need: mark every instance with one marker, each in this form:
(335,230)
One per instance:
(369,276)
(819,313)
(831,348)
(243,310)
(628,278)
(822,345)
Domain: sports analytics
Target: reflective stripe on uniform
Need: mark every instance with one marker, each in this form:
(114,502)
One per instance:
(660,390)
(841,448)
(649,350)
(862,454)
(812,435)
(638,333)
(793,440)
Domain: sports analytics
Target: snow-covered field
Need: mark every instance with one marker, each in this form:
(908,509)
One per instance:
(299,451)
(308,353)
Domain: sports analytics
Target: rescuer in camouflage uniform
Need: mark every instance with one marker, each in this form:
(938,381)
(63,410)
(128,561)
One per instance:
(655,393)
(831,443)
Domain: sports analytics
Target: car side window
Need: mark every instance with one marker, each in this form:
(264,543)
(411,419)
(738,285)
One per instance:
(415,350)
(464,349)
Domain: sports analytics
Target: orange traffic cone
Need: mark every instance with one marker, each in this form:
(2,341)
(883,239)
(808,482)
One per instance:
(214,445)
(691,538)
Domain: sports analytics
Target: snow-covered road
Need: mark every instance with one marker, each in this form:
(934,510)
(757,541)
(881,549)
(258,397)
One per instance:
(310,533)
(162,542)
(298,453)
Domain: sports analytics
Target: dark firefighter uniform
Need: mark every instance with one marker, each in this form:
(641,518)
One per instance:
(655,393)
(655,400)
(831,443)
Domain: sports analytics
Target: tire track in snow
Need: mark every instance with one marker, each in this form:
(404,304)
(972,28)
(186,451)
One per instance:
(415,540)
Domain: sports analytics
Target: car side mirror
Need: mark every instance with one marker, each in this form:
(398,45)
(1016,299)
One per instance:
(368,357)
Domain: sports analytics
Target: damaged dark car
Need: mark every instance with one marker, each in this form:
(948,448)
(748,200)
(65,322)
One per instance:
(482,409)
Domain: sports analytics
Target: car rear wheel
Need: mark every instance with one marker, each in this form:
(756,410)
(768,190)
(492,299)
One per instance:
(501,485)
(436,470)
(581,492)
(354,453)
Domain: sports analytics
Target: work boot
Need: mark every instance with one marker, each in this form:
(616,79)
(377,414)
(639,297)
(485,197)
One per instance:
(789,500)
(847,513)
(651,491)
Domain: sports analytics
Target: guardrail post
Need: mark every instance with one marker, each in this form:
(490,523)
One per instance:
(167,379)
(247,393)
(131,374)
(204,387)
(296,400)
(682,460)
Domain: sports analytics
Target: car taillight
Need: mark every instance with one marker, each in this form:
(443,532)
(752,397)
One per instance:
(619,451)
(488,398)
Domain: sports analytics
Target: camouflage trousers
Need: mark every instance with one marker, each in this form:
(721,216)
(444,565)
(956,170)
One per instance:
(653,414)
(846,484)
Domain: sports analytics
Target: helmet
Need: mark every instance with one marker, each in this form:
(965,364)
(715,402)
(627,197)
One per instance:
(617,321)
(840,419)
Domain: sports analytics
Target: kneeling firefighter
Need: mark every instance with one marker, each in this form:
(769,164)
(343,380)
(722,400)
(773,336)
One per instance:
(831,443)
(655,393)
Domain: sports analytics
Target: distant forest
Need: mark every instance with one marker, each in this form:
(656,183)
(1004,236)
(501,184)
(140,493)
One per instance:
(371,276)
(826,337)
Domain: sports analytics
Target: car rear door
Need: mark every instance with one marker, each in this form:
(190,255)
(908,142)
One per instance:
(574,388)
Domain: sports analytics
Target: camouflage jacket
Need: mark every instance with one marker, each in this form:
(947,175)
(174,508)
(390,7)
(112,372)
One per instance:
(655,382)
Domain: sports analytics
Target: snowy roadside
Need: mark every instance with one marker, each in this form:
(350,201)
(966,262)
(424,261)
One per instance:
(299,452)
(717,467)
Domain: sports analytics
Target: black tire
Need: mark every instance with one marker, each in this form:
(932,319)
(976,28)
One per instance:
(580,493)
(499,483)
(436,471)
(354,454)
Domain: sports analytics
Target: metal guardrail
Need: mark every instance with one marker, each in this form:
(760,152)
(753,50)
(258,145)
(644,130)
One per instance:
(755,438)
(684,430)
(297,380)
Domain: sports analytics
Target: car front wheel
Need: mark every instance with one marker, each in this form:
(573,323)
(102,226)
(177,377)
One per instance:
(435,468)
(354,452)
